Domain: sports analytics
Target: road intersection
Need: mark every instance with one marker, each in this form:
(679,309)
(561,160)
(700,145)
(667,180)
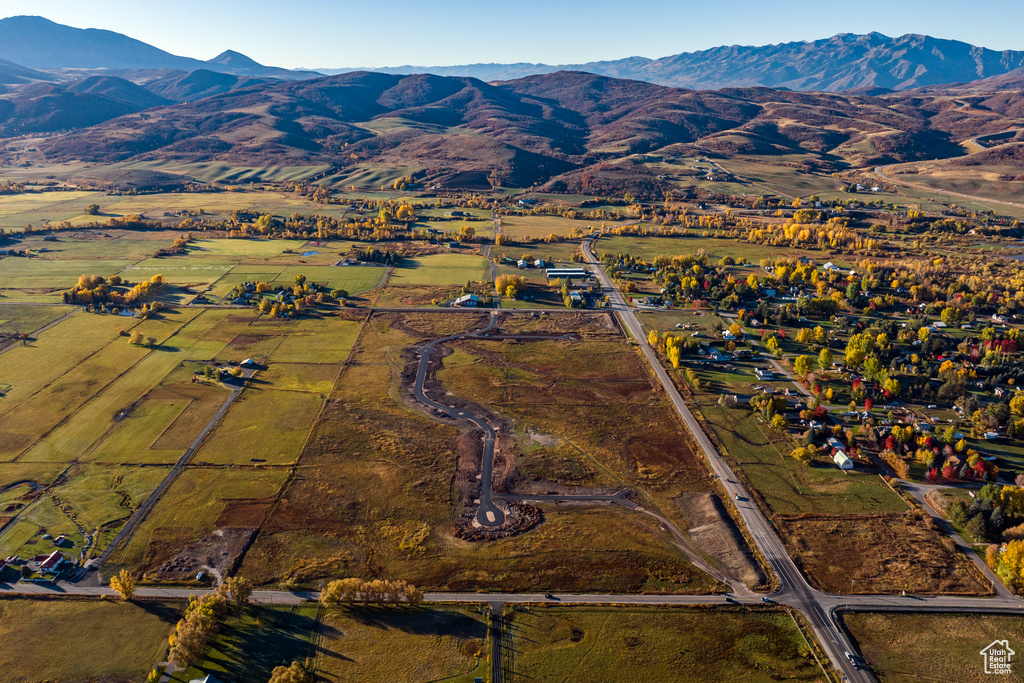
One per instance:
(819,608)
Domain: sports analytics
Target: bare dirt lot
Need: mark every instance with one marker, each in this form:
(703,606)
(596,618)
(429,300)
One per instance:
(715,533)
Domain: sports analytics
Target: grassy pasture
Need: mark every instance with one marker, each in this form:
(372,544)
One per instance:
(191,508)
(788,487)
(312,340)
(177,271)
(937,647)
(95,496)
(247,649)
(15,319)
(261,426)
(537,227)
(19,210)
(86,399)
(649,248)
(96,244)
(442,269)
(659,644)
(374,485)
(361,643)
(240,249)
(43,274)
(784,180)
(133,438)
(353,279)
(314,377)
(79,640)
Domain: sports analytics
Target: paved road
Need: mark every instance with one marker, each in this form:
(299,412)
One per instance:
(794,590)
(489,514)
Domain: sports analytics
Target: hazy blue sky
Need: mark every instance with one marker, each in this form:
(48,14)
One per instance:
(340,33)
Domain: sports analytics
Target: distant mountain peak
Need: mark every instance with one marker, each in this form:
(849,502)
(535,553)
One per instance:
(237,60)
(38,43)
(846,61)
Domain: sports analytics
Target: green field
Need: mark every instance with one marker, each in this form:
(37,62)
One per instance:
(19,210)
(669,644)
(89,245)
(247,649)
(788,487)
(649,248)
(95,499)
(199,501)
(362,644)
(931,647)
(82,640)
(539,227)
(262,426)
(441,269)
(49,274)
(16,319)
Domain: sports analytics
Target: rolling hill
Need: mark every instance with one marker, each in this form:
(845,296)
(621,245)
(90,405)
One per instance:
(15,74)
(195,85)
(545,128)
(51,107)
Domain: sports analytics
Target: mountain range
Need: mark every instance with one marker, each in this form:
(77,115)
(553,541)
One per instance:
(843,62)
(568,131)
(38,43)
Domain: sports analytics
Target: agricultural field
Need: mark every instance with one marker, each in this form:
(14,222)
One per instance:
(201,501)
(111,417)
(939,647)
(450,644)
(663,644)
(20,210)
(374,485)
(247,648)
(69,640)
(17,319)
(441,270)
(525,228)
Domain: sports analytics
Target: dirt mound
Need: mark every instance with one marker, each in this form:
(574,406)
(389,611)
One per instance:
(218,553)
(715,532)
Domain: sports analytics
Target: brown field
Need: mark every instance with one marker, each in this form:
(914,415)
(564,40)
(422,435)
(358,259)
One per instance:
(373,494)
(880,553)
(932,647)
(82,640)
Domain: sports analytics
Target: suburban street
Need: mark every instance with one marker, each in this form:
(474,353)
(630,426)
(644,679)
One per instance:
(819,608)
(793,588)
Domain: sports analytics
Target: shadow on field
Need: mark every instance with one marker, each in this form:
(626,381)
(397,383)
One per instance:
(249,649)
(166,612)
(424,621)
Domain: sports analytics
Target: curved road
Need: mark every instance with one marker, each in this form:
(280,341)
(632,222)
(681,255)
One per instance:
(880,172)
(489,514)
